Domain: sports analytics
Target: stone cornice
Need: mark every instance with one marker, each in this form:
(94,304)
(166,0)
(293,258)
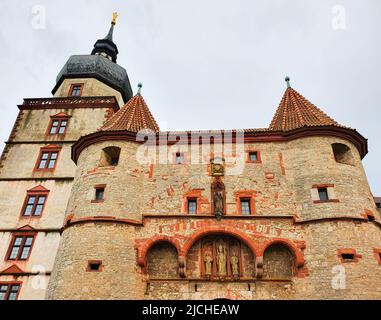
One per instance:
(250,136)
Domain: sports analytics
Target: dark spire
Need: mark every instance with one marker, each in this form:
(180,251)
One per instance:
(106,47)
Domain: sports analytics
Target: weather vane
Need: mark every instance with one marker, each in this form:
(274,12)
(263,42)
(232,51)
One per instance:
(114,17)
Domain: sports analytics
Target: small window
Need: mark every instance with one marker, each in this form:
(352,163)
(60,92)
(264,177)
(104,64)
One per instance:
(378,205)
(180,159)
(343,153)
(323,194)
(20,248)
(94,266)
(99,194)
(34,205)
(110,156)
(76,90)
(9,291)
(348,256)
(245,206)
(253,156)
(192,206)
(47,160)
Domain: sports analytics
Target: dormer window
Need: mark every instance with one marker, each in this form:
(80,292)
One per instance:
(76,90)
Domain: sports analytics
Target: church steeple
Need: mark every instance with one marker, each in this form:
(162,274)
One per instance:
(106,46)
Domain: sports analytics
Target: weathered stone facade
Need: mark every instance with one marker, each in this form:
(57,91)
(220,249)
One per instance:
(130,212)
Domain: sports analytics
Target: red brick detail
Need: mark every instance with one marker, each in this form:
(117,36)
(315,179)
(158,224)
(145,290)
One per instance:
(281,163)
(270,175)
(13,269)
(143,246)
(327,201)
(318,186)
(377,255)
(250,194)
(368,215)
(150,175)
(356,257)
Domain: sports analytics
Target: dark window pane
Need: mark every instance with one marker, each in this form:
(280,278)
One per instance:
(192,206)
(99,194)
(245,206)
(323,194)
(253,156)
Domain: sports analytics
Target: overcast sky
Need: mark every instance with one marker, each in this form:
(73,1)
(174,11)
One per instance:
(209,64)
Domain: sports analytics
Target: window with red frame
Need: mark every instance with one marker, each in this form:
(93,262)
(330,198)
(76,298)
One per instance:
(245,206)
(9,291)
(20,248)
(47,160)
(76,90)
(34,205)
(58,126)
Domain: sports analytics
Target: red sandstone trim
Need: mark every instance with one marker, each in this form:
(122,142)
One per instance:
(326,201)
(36,191)
(377,255)
(356,257)
(249,137)
(248,194)
(58,117)
(259,158)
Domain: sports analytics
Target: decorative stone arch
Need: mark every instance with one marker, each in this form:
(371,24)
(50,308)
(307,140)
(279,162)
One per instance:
(292,247)
(144,249)
(214,231)
(299,259)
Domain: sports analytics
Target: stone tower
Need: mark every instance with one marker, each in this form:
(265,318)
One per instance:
(284,212)
(36,170)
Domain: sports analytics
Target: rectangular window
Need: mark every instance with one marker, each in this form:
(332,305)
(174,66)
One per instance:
(192,206)
(76,90)
(34,205)
(253,156)
(245,206)
(99,194)
(47,160)
(323,194)
(20,248)
(58,126)
(378,205)
(9,291)
(179,158)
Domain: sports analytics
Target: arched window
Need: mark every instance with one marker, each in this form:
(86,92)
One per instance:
(110,157)
(343,154)
(162,261)
(278,262)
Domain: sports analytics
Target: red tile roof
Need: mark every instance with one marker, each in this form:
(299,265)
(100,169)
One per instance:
(295,111)
(133,116)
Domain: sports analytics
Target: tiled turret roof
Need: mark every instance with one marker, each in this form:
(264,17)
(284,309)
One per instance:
(295,112)
(133,116)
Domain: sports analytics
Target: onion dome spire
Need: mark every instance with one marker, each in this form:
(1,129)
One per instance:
(106,46)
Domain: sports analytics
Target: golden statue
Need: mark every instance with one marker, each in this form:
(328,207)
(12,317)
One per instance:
(114,17)
(221,260)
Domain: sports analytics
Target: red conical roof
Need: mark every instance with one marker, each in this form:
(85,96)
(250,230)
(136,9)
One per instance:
(133,116)
(295,112)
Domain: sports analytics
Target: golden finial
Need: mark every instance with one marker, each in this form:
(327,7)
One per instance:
(114,17)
